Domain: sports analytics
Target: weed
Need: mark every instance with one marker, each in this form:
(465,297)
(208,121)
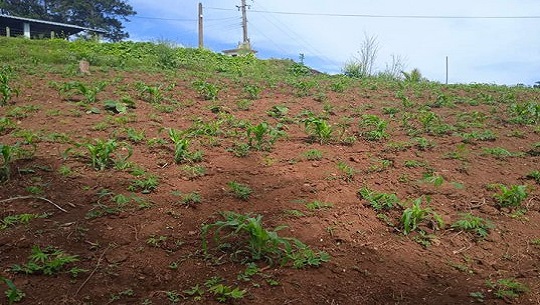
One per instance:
(414,163)
(460,153)
(499,153)
(196,292)
(75,87)
(486,135)
(507,288)
(318,205)
(278,111)
(13,220)
(6,125)
(524,114)
(313,154)
(194,171)
(414,215)
(207,90)
(244,104)
(379,201)
(156,241)
(433,178)
(250,241)
(535,175)
(373,128)
(7,92)
(511,196)
(181,148)
(13,294)
(145,186)
(252,91)
(240,149)
(135,136)
(239,190)
(347,171)
(471,223)
(46,261)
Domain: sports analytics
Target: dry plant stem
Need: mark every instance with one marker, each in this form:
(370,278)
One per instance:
(34,197)
(93,271)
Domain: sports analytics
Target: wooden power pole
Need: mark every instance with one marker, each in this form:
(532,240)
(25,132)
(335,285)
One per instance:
(201,28)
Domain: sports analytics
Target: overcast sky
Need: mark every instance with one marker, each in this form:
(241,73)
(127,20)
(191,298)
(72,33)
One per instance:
(481,50)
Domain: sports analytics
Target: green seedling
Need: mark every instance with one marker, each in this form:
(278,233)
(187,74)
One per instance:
(252,91)
(318,205)
(181,148)
(46,261)
(239,190)
(13,294)
(6,125)
(379,201)
(17,219)
(313,154)
(508,288)
(193,171)
(535,175)
(78,88)
(150,94)
(102,153)
(278,111)
(527,113)
(347,171)
(413,216)
(263,136)
(120,107)
(511,196)
(9,153)
(499,153)
(135,136)
(474,224)
(146,185)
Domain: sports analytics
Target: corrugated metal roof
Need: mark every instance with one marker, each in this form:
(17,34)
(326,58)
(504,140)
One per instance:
(50,23)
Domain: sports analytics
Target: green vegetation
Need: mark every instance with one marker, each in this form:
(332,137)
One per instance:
(474,224)
(239,190)
(6,91)
(379,201)
(249,241)
(13,294)
(413,216)
(47,261)
(102,153)
(510,196)
(508,288)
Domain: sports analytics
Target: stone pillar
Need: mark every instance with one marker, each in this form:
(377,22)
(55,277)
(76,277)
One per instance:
(8,31)
(26,27)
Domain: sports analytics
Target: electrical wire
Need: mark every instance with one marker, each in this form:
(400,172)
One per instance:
(379,16)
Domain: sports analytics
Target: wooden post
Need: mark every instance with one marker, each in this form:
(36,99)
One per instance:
(8,31)
(201,28)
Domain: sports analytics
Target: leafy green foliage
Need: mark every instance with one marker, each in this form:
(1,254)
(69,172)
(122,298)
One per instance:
(6,91)
(318,129)
(13,220)
(181,148)
(263,136)
(239,190)
(121,106)
(413,216)
(524,113)
(374,128)
(510,196)
(474,224)
(13,294)
(207,90)
(252,91)
(102,153)
(47,261)
(9,153)
(507,288)
(379,201)
(249,241)
(313,154)
(535,175)
(89,91)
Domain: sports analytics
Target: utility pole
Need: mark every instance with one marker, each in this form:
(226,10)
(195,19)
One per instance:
(243,8)
(201,41)
(447,70)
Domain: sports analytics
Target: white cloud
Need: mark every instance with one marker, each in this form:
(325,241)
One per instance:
(480,50)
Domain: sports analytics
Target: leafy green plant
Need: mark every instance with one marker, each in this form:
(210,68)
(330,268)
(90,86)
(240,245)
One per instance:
(181,148)
(249,241)
(508,288)
(6,124)
(379,201)
(313,154)
(76,87)
(535,175)
(193,171)
(151,94)
(433,178)
(145,185)
(121,106)
(510,196)
(47,261)
(347,171)
(413,216)
(207,90)
(134,135)
(373,128)
(6,90)
(13,294)
(318,129)
(318,205)
(498,152)
(13,220)
(474,224)
(239,190)
(278,111)
(486,135)
(252,91)
(527,113)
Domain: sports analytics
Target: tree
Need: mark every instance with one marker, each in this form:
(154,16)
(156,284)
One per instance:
(100,14)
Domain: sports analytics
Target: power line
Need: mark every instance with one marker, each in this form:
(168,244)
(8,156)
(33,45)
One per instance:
(180,19)
(380,16)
